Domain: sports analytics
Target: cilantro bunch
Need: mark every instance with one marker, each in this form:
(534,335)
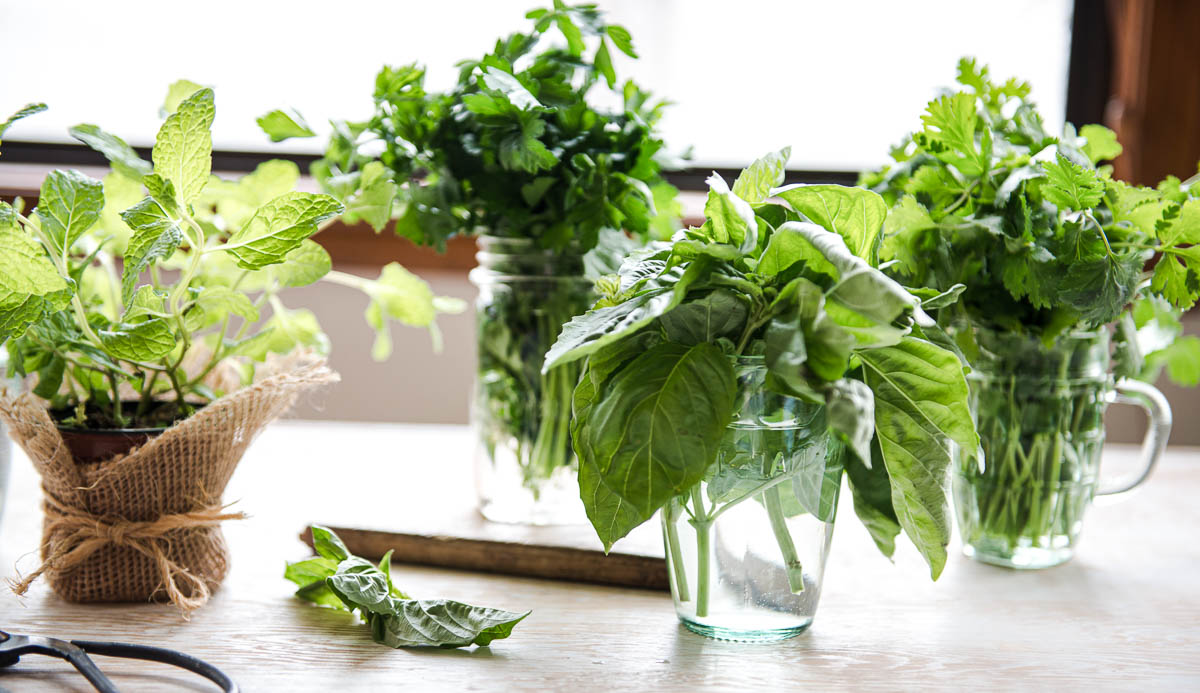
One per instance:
(116,341)
(1042,237)
(518,148)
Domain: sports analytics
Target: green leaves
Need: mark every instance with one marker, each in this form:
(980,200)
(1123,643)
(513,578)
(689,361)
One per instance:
(1070,186)
(123,158)
(1101,143)
(855,214)
(155,237)
(30,286)
(729,217)
(183,149)
(397,295)
(662,417)
(920,407)
(281,125)
(24,112)
(143,341)
(950,133)
(754,184)
(68,206)
(339,580)
(279,227)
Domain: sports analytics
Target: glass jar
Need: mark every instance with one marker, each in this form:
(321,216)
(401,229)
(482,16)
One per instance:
(1039,410)
(525,466)
(746,547)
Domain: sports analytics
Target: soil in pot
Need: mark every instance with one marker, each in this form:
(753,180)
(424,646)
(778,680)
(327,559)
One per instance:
(100,438)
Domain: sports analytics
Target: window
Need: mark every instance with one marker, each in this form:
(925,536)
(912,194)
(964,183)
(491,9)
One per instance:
(839,81)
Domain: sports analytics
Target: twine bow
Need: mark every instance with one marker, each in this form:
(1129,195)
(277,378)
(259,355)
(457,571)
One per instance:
(82,534)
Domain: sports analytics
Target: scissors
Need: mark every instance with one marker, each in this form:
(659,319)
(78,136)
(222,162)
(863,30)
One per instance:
(12,646)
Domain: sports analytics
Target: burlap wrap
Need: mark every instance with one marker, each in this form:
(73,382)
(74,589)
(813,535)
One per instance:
(146,525)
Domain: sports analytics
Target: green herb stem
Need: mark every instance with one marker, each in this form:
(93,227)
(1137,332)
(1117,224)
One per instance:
(677,567)
(703,525)
(791,560)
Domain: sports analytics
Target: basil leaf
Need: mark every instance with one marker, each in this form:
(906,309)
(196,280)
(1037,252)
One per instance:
(755,183)
(855,214)
(327,544)
(871,490)
(652,435)
(850,411)
(920,411)
(442,623)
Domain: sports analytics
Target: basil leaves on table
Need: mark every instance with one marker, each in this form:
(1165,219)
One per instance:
(337,579)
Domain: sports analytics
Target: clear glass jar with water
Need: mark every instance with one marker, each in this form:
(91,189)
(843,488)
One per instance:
(746,547)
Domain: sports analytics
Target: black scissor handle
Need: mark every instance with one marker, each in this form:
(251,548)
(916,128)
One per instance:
(12,647)
(162,655)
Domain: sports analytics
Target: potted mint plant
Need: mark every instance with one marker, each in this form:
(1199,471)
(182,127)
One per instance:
(517,153)
(137,303)
(1048,252)
(731,376)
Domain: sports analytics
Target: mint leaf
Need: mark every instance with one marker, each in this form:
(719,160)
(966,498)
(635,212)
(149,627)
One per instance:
(1070,186)
(183,149)
(176,93)
(143,341)
(155,237)
(282,125)
(397,295)
(372,201)
(302,266)
(24,112)
(30,286)
(68,206)
(279,227)
(123,158)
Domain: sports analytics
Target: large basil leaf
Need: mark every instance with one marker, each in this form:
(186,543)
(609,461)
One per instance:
(855,214)
(720,313)
(920,412)
(182,150)
(653,434)
(730,218)
(30,286)
(872,493)
(442,623)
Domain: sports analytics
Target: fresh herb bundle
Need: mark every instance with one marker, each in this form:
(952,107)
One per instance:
(121,293)
(337,579)
(1043,240)
(518,148)
(791,280)
(1049,250)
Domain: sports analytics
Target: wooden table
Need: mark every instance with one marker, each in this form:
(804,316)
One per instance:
(1125,614)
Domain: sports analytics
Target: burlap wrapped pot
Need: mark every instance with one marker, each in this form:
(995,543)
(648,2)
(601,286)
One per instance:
(145,526)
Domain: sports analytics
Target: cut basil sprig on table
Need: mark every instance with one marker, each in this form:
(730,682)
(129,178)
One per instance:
(788,274)
(335,578)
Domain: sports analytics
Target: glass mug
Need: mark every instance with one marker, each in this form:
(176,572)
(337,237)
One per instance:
(1039,409)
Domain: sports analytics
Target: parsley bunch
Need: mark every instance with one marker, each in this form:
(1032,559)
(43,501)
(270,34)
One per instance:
(517,148)
(1044,240)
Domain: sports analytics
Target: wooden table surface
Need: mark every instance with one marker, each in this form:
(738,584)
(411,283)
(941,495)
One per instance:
(1124,614)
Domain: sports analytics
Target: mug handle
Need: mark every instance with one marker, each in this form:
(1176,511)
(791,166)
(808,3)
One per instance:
(1147,397)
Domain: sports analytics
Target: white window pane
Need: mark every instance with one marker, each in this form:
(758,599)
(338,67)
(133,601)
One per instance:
(839,81)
